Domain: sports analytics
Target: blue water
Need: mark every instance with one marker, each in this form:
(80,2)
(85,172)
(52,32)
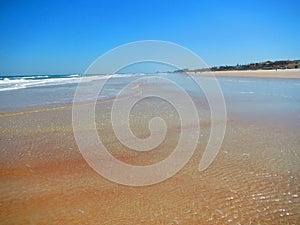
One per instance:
(19,93)
(275,102)
(271,101)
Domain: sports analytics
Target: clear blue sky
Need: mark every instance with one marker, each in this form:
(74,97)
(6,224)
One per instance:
(57,37)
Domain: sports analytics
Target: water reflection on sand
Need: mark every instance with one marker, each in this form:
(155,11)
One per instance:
(254,179)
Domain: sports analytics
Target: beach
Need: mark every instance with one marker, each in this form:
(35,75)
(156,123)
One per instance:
(280,73)
(254,179)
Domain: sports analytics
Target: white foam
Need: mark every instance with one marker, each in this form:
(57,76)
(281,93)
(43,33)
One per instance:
(8,84)
(247,92)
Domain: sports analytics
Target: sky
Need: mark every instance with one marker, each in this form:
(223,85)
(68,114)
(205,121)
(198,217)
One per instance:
(63,37)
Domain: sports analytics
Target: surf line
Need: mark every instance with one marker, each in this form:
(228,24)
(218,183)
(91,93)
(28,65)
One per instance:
(64,107)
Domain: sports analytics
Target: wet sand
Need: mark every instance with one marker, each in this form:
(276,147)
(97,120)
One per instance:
(45,180)
(288,73)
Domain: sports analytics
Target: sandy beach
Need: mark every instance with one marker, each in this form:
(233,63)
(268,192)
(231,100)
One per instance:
(288,73)
(106,119)
(254,180)
(44,179)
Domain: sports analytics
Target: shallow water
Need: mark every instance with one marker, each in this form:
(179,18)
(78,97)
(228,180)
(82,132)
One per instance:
(271,101)
(254,179)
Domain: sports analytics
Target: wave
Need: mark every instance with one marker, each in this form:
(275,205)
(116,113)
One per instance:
(8,83)
(247,92)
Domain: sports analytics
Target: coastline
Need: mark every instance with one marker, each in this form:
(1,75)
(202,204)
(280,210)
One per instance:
(254,178)
(280,73)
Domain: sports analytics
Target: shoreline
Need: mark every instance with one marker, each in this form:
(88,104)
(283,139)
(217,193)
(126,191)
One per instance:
(43,172)
(282,74)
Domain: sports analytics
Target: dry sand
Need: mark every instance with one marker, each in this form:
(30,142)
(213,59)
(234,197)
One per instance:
(288,73)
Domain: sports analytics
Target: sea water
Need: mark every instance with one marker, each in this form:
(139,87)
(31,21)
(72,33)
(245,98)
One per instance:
(257,100)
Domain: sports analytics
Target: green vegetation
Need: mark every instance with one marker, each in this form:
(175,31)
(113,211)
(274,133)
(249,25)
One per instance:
(268,65)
